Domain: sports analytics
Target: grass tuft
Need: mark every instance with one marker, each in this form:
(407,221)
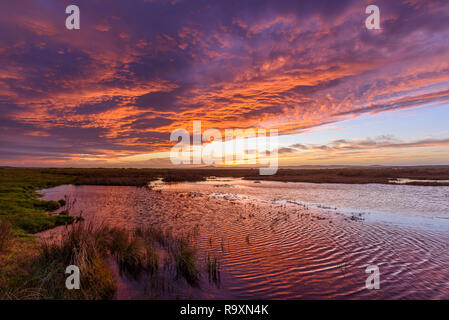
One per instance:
(85,247)
(213,268)
(6,234)
(185,260)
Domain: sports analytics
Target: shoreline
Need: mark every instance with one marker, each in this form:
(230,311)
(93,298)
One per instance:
(423,176)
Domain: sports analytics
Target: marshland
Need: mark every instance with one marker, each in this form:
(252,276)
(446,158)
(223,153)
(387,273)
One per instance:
(223,233)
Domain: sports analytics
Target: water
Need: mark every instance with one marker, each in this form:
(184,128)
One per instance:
(279,240)
(418,205)
(405,180)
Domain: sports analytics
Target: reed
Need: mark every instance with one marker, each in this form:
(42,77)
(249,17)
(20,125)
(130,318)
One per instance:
(213,268)
(6,234)
(185,260)
(81,245)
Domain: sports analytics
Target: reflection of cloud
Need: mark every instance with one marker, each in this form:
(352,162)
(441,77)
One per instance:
(116,88)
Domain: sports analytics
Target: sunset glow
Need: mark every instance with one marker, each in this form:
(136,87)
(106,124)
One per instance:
(111,93)
(214,158)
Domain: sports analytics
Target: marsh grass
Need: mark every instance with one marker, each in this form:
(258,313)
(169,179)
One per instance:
(176,250)
(137,253)
(131,258)
(6,234)
(187,176)
(151,259)
(153,235)
(17,272)
(39,272)
(185,260)
(213,269)
(20,204)
(86,247)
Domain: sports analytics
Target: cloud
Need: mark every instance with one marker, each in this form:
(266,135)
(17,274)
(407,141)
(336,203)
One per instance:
(138,70)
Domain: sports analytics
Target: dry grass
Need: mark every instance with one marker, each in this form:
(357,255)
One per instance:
(213,269)
(179,252)
(357,175)
(185,259)
(6,234)
(141,177)
(83,246)
(40,273)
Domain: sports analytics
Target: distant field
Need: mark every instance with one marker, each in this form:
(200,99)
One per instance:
(361,175)
(138,177)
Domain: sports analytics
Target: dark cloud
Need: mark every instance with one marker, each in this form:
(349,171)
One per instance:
(138,66)
(99,107)
(150,123)
(159,101)
(286,150)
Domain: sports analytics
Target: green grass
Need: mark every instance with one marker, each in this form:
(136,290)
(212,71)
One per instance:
(20,204)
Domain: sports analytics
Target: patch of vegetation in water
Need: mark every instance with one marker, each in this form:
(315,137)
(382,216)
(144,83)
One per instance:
(38,271)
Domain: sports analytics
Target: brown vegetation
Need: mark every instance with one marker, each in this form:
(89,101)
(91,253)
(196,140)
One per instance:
(140,177)
(40,273)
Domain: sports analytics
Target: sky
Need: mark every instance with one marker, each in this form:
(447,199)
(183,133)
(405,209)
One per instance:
(111,93)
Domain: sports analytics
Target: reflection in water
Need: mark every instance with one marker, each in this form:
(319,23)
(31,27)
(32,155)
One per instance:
(405,180)
(290,240)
